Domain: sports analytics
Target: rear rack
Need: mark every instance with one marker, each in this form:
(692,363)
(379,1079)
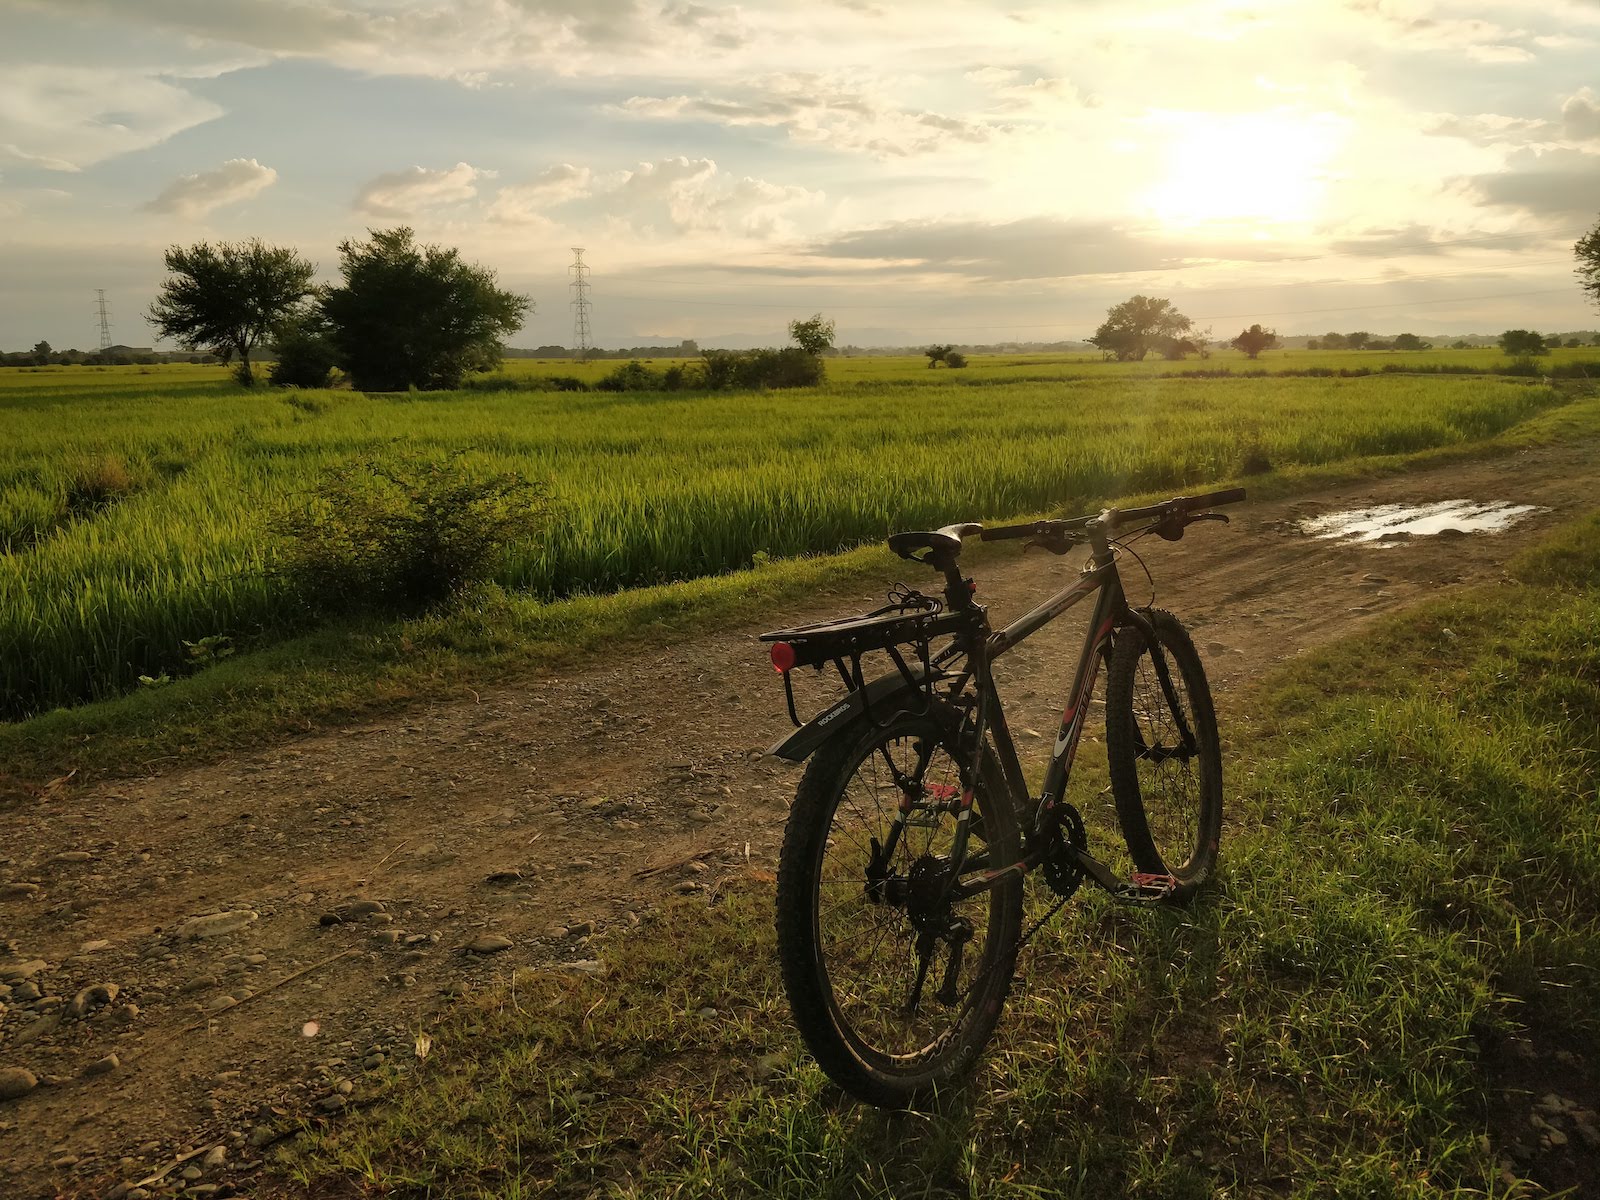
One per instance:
(914,621)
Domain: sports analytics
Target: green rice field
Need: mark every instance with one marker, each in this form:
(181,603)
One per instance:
(134,502)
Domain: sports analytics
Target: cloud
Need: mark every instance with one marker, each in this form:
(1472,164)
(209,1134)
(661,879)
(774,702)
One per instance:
(1579,124)
(1407,24)
(1032,248)
(693,195)
(196,195)
(1552,183)
(402,193)
(461,39)
(527,203)
(1580,116)
(817,110)
(1388,243)
(69,118)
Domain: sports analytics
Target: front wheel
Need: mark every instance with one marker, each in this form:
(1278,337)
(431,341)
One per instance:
(894,986)
(1164,754)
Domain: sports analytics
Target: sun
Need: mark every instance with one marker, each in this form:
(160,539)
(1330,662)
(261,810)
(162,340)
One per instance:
(1262,168)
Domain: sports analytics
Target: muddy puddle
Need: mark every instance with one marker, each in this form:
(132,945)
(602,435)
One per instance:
(1389,524)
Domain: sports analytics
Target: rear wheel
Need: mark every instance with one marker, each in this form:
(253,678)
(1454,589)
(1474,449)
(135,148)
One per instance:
(894,989)
(1164,754)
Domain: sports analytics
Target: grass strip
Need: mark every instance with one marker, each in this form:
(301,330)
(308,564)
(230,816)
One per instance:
(1407,884)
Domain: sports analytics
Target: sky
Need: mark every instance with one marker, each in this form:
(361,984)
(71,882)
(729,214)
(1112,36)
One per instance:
(949,170)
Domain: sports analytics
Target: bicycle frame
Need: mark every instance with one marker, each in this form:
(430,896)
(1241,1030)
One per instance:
(1102,580)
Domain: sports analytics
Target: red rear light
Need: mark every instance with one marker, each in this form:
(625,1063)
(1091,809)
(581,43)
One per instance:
(782,656)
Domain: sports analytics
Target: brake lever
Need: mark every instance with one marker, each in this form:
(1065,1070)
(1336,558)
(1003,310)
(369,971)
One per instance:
(1056,545)
(1171,528)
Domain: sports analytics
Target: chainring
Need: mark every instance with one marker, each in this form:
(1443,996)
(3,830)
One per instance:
(1061,870)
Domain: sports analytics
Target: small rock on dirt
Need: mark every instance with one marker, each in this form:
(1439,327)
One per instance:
(490,943)
(35,1030)
(91,998)
(16,1082)
(12,972)
(510,875)
(72,856)
(217,924)
(18,891)
(103,1066)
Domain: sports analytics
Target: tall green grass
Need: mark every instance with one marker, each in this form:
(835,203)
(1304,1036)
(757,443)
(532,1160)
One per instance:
(644,488)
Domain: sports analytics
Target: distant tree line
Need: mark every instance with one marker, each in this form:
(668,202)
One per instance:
(44,355)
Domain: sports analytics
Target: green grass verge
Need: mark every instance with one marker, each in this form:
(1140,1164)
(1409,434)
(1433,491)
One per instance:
(1315,1025)
(347,672)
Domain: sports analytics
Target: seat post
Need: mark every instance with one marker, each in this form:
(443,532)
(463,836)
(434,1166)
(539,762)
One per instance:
(957,591)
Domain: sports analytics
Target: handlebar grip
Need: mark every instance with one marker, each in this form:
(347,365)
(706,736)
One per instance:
(1211,499)
(1001,533)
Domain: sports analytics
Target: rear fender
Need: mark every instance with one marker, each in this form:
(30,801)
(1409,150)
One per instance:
(884,697)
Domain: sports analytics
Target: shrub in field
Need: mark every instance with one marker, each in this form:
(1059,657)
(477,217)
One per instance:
(401,533)
(955,359)
(787,368)
(305,356)
(1522,343)
(525,383)
(96,483)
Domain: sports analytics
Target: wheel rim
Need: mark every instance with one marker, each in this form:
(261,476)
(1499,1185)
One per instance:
(867,951)
(1169,766)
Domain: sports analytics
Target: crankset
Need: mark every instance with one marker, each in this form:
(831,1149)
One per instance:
(1061,868)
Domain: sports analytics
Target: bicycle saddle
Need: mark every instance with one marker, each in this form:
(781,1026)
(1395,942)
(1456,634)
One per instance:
(937,542)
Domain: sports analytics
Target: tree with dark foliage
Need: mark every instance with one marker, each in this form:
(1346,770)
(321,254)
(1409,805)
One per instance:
(1138,325)
(415,316)
(1256,339)
(227,298)
(1587,252)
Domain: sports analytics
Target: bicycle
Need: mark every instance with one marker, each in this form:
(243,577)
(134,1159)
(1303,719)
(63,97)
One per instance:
(913,826)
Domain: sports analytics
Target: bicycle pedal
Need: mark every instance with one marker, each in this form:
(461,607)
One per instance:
(1146,888)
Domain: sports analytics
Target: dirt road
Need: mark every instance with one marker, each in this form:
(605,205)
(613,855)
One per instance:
(361,864)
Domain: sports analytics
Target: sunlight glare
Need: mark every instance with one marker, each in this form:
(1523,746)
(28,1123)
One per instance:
(1230,167)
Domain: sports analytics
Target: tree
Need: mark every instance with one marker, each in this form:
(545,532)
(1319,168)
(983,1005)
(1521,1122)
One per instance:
(955,359)
(228,297)
(415,316)
(1334,341)
(1410,341)
(1572,342)
(1522,343)
(1256,339)
(1174,348)
(937,354)
(1131,329)
(305,356)
(814,335)
(1587,252)
(1357,340)
(41,354)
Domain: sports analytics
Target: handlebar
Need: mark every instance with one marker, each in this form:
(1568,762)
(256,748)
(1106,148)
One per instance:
(1114,518)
